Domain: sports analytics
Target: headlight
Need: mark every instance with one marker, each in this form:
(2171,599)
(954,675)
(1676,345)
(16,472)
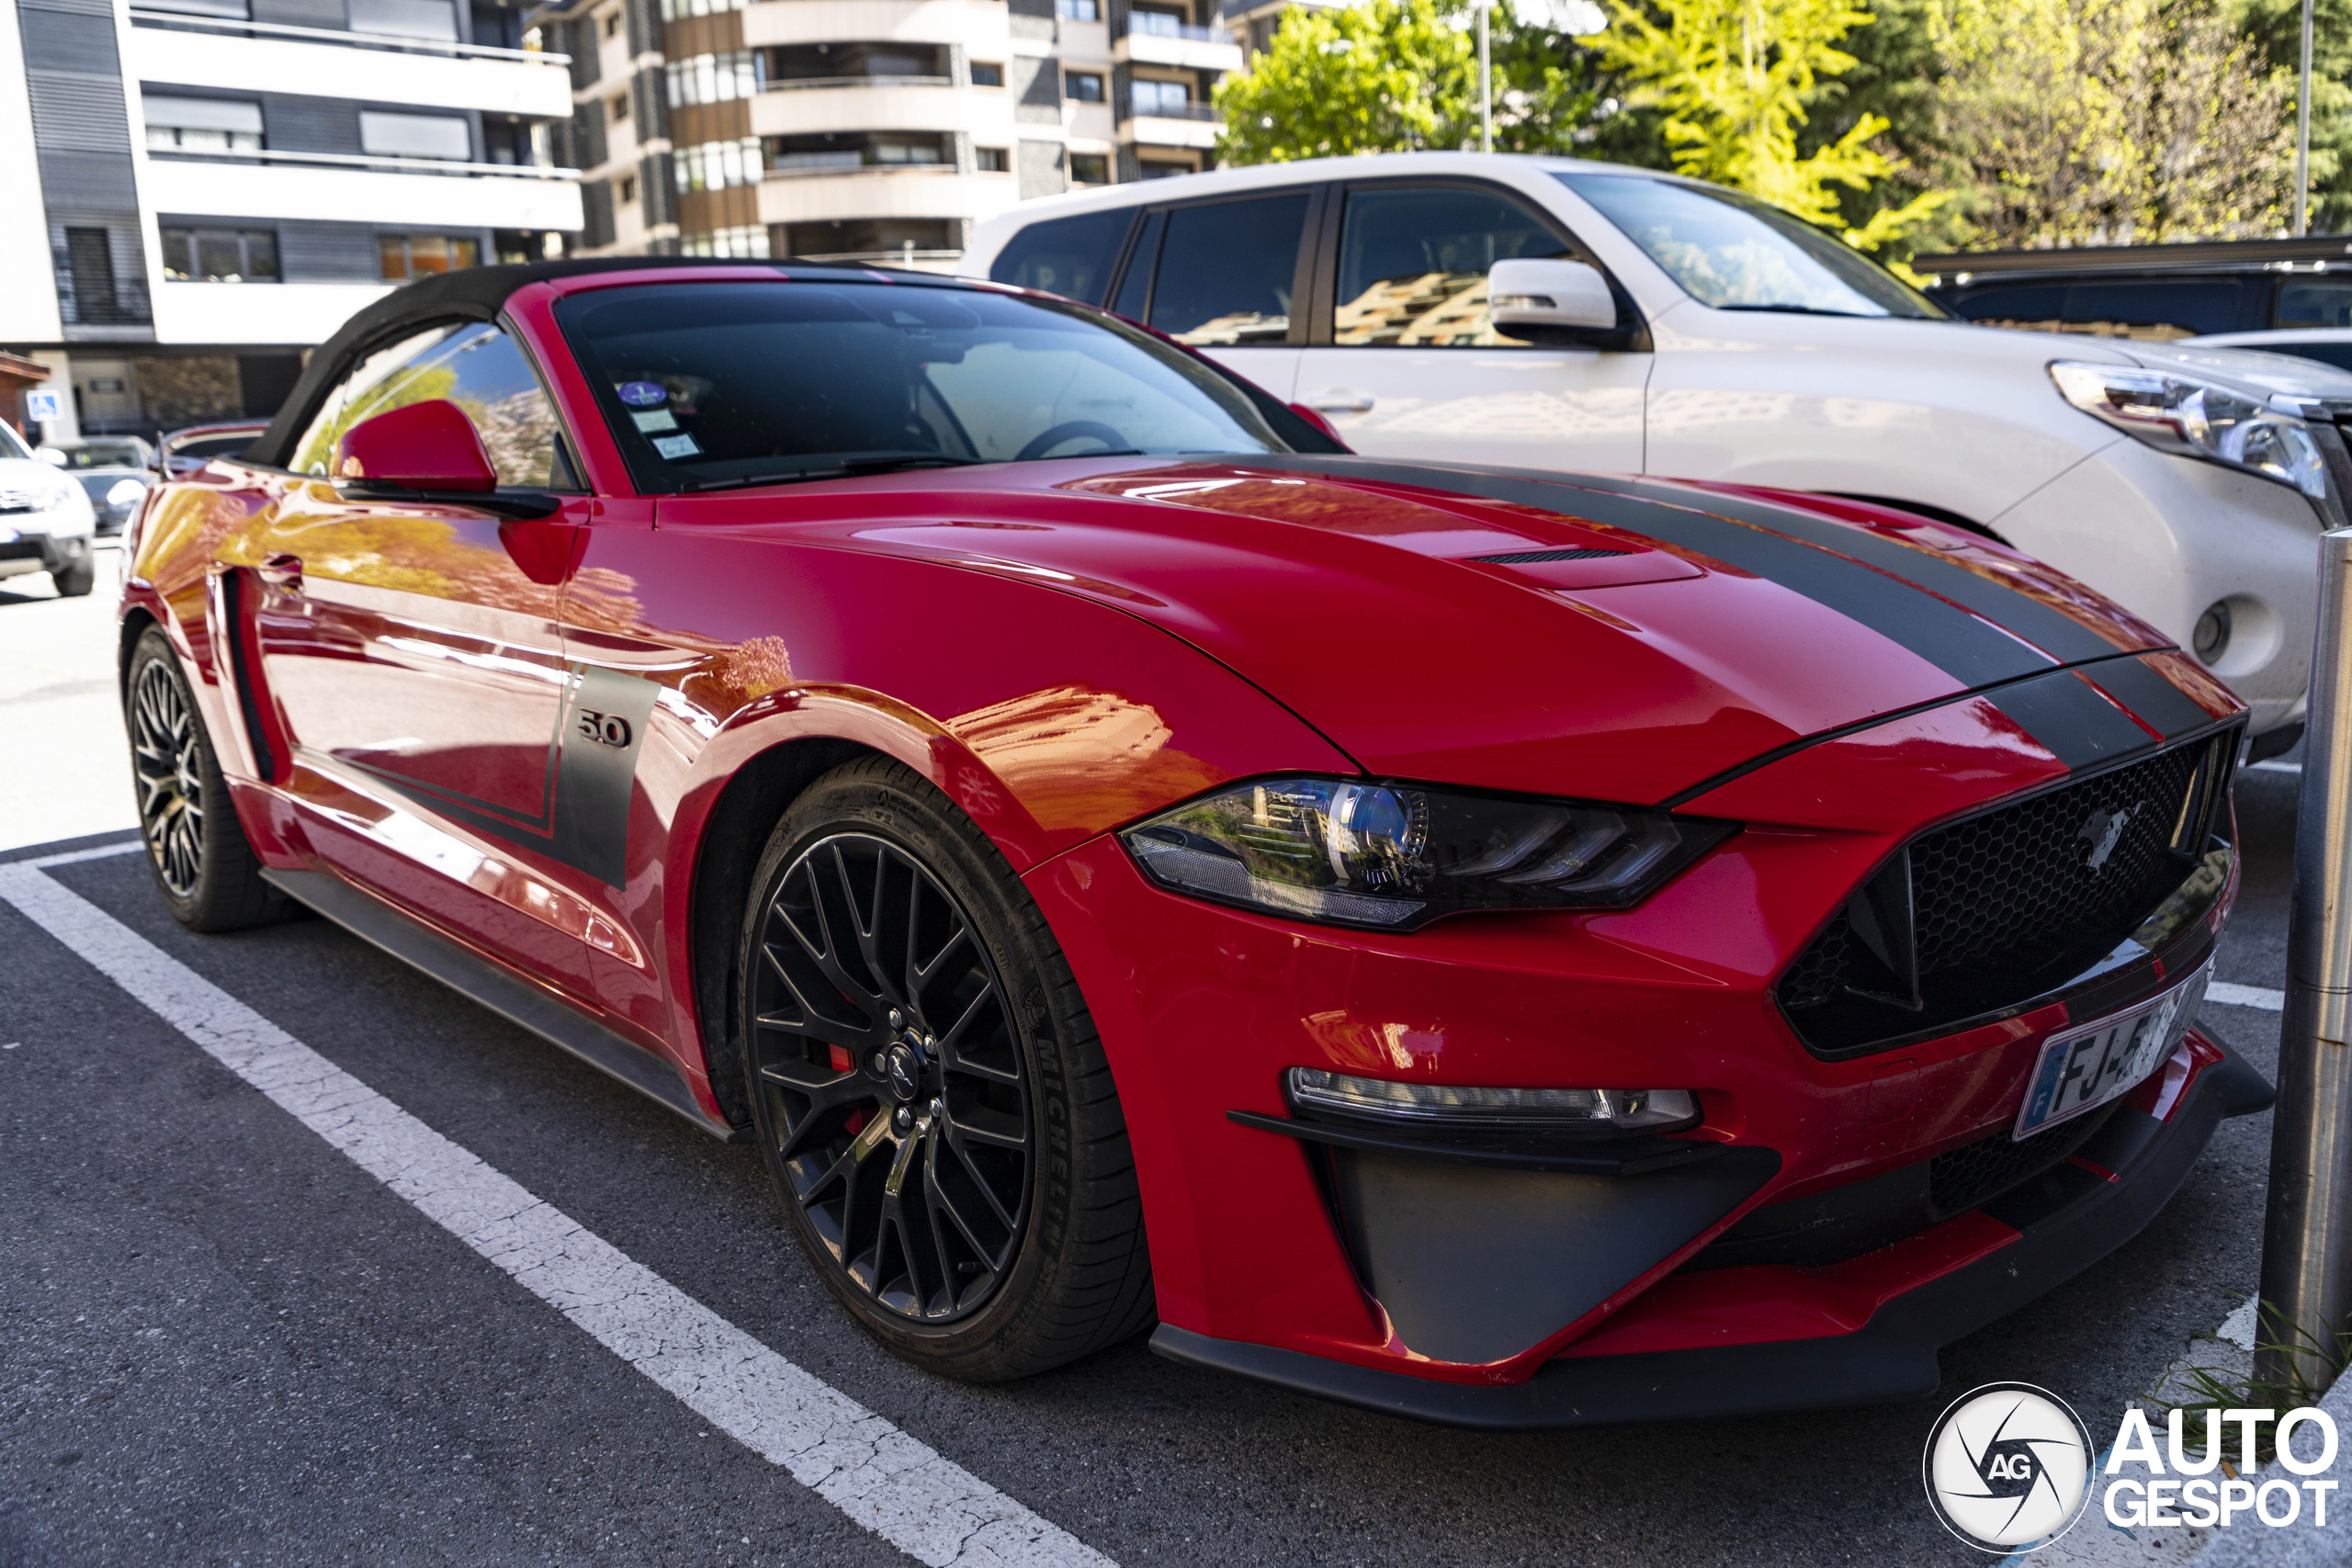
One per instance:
(126,494)
(2177,414)
(1457,1109)
(1396,856)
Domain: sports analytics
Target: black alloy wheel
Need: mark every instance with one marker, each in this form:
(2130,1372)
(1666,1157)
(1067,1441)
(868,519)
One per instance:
(203,866)
(895,1078)
(928,1088)
(168,769)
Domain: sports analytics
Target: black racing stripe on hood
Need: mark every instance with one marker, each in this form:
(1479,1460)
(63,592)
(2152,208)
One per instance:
(2073,722)
(1963,645)
(2056,633)
(2158,704)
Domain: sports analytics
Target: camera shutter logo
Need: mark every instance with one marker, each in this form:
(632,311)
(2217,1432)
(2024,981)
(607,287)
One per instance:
(2008,1465)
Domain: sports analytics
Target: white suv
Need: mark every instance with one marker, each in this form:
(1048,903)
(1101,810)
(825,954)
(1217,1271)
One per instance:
(1644,323)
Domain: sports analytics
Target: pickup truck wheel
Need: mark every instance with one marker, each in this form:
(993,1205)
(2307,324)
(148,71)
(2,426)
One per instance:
(207,872)
(928,1088)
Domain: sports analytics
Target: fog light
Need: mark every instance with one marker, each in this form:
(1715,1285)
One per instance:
(1443,1106)
(2211,637)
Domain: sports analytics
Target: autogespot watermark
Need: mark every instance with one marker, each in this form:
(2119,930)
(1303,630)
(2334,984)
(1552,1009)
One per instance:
(2010,1468)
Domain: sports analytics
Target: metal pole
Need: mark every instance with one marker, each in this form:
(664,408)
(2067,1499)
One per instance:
(1484,74)
(2307,1233)
(2303,133)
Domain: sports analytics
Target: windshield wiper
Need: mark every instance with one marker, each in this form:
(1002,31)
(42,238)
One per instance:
(1798,311)
(846,469)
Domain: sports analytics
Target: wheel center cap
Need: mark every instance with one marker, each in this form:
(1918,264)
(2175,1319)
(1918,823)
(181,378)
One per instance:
(903,1065)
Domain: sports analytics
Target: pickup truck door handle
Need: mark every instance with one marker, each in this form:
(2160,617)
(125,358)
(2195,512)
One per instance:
(1340,399)
(283,571)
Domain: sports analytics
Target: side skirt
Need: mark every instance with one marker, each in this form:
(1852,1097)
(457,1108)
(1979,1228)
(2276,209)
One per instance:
(377,922)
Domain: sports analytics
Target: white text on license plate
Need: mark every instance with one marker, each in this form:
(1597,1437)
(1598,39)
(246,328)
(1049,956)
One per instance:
(2088,1066)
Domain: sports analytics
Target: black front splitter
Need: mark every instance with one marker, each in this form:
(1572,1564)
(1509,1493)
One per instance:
(2068,1219)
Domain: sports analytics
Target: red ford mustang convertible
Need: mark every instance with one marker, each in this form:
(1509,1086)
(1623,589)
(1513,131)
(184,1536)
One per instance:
(1508,949)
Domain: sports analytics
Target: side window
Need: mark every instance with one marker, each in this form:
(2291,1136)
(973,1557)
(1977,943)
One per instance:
(1069,257)
(472,365)
(2315,303)
(1226,270)
(1413,265)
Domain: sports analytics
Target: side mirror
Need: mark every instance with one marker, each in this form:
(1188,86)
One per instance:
(51,455)
(420,446)
(1551,302)
(126,494)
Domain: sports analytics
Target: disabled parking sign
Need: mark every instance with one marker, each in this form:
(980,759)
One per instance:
(44,405)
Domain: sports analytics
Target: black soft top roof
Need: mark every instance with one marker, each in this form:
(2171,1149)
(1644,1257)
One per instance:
(478,293)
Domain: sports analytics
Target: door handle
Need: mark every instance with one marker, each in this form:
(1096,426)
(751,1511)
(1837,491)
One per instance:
(283,571)
(1340,399)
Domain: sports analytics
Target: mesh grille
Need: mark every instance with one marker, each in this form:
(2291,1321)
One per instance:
(1529,558)
(1964,1178)
(2007,905)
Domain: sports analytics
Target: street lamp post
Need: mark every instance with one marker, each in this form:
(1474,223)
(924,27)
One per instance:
(2302,126)
(1487,74)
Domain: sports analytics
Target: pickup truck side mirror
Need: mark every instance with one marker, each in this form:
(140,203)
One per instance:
(1555,303)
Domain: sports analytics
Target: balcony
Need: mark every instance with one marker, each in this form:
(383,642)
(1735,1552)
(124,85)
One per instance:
(1152,39)
(355,187)
(928,21)
(880,191)
(302,313)
(1172,125)
(264,57)
(808,105)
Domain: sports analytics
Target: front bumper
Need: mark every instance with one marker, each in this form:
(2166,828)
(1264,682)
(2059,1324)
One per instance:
(2058,1224)
(29,552)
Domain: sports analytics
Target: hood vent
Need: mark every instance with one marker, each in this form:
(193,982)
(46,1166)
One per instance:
(1529,558)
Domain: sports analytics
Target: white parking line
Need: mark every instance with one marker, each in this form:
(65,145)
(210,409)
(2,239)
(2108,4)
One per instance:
(2260,997)
(900,1489)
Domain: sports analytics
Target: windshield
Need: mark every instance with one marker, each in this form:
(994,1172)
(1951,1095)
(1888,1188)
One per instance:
(10,446)
(711,384)
(1736,253)
(104,455)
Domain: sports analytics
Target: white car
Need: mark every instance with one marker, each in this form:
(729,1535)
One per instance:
(2329,346)
(1648,324)
(45,519)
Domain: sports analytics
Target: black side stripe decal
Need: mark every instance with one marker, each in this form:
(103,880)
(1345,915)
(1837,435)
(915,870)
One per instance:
(1961,645)
(2159,704)
(2073,722)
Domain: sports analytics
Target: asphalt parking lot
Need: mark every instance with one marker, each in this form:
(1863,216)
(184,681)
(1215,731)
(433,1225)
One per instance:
(227,1342)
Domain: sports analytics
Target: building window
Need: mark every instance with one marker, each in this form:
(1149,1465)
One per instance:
(987,75)
(1082,87)
(1169,98)
(221,255)
(1089,169)
(872,238)
(991,160)
(860,149)
(435,20)
(1078,10)
(228,8)
(616,108)
(420,255)
(712,78)
(1151,171)
(203,124)
(443,136)
(628,187)
(717,165)
(752,240)
(612,24)
(672,10)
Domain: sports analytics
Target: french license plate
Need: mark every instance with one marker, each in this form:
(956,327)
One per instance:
(2086,1068)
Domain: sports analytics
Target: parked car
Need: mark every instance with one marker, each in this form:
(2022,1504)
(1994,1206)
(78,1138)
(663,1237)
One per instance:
(45,519)
(185,451)
(2329,346)
(1512,950)
(113,471)
(2156,293)
(1666,326)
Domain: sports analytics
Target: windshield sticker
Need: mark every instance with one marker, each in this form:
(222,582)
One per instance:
(643,394)
(676,447)
(653,420)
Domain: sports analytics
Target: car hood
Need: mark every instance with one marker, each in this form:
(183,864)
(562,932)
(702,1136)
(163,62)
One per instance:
(2257,374)
(1608,639)
(28,477)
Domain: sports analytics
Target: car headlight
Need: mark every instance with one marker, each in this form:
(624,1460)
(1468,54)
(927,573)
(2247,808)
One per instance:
(126,494)
(2177,413)
(1460,1109)
(1396,856)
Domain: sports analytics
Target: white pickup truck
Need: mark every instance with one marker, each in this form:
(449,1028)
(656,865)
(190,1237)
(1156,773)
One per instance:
(1551,313)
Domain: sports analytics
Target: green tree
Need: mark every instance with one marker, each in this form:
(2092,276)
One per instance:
(2274,28)
(1736,80)
(1382,76)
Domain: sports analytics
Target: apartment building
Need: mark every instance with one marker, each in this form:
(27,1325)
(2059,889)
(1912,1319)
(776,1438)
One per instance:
(200,190)
(869,129)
